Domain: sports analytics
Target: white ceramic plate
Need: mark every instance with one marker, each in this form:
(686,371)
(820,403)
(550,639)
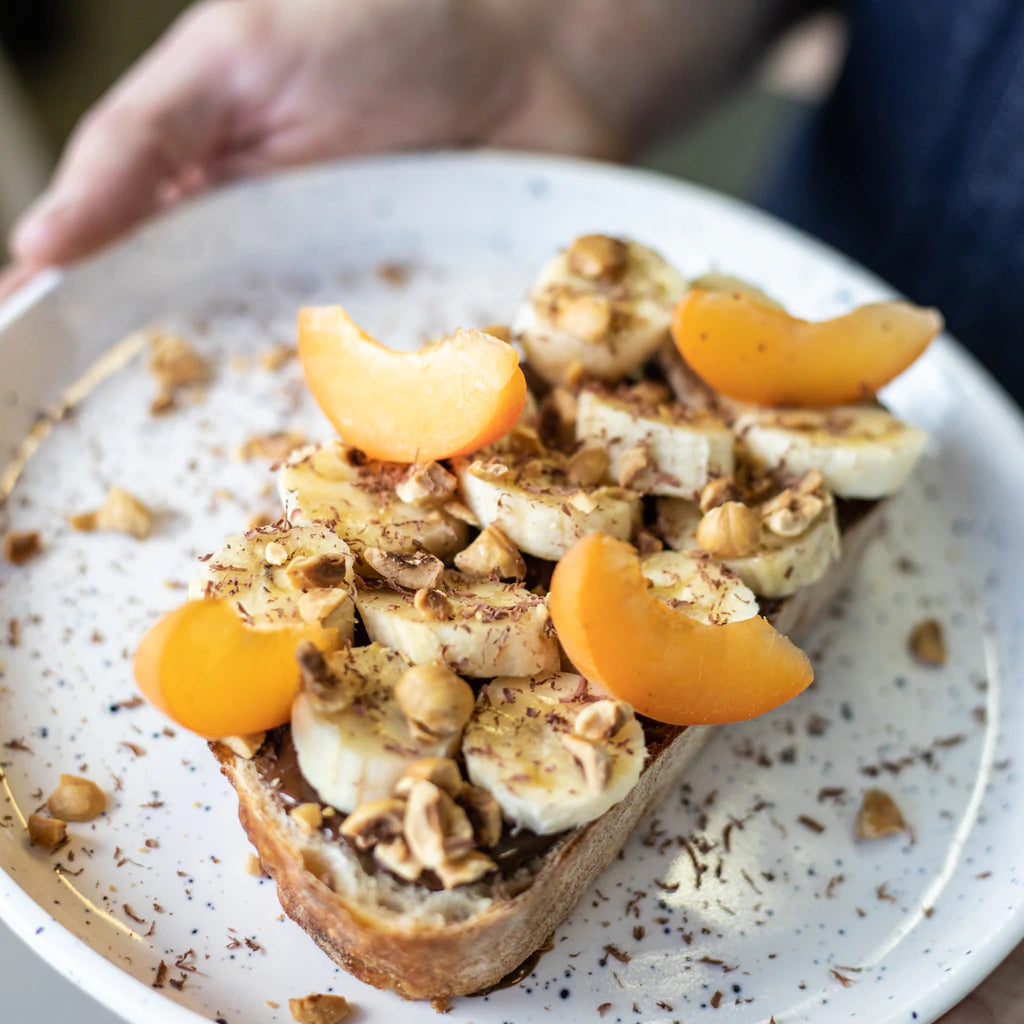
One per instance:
(745,896)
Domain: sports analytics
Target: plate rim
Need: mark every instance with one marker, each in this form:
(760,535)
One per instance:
(103,979)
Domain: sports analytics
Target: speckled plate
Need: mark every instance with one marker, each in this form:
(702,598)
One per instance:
(745,895)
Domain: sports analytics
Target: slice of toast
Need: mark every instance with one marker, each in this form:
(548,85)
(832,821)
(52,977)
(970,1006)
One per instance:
(435,944)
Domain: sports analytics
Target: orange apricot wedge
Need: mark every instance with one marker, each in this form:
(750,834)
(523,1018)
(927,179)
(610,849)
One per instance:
(668,665)
(755,352)
(449,398)
(203,667)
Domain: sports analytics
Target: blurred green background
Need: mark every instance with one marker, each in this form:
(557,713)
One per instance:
(57,57)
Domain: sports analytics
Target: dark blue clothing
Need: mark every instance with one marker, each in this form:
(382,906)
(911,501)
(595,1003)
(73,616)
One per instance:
(915,164)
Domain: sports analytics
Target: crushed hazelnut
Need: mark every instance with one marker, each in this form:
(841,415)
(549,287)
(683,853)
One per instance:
(316,677)
(443,772)
(587,467)
(812,482)
(21,547)
(276,357)
(436,828)
(376,821)
(317,606)
(46,833)
(318,1008)
(878,816)
(435,700)
(632,463)
(483,811)
(398,859)
(647,543)
(308,817)
(275,553)
(121,512)
(276,446)
(597,256)
(247,746)
(319,572)
(76,799)
(433,604)
(584,315)
(427,484)
(730,530)
(791,513)
(574,374)
(175,363)
(593,759)
(413,572)
(927,643)
(491,556)
(464,870)
(717,492)
(602,719)
(583,501)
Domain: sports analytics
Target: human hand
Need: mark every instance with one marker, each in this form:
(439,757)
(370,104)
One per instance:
(237,89)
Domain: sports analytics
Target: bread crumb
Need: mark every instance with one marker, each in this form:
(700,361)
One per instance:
(22,546)
(319,1008)
(175,364)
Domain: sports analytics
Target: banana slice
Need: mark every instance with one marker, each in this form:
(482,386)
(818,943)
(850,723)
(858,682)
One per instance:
(477,628)
(534,502)
(599,308)
(352,739)
(780,565)
(861,451)
(359,499)
(699,586)
(555,751)
(655,445)
(280,574)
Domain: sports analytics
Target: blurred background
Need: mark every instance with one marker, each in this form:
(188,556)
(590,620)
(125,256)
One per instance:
(57,57)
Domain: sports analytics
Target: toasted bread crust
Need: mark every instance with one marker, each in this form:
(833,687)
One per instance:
(372,927)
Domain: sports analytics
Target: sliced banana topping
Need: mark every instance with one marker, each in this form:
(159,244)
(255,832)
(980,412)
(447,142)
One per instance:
(862,451)
(599,309)
(359,499)
(478,628)
(654,445)
(555,751)
(698,586)
(282,574)
(360,719)
(535,504)
(796,541)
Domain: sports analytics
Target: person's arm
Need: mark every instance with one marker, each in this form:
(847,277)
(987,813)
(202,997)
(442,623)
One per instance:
(239,87)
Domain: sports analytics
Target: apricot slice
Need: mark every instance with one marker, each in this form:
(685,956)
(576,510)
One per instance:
(449,398)
(202,666)
(755,352)
(669,666)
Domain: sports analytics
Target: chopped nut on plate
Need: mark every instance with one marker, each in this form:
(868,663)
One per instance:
(76,799)
(122,512)
(878,816)
(597,256)
(276,446)
(276,357)
(412,572)
(22,546)
(175,364)
(318,1008)
(433,604)
(435,700)
(927,644)
(491,555)
(426,483)
(46,833)
(308,817)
